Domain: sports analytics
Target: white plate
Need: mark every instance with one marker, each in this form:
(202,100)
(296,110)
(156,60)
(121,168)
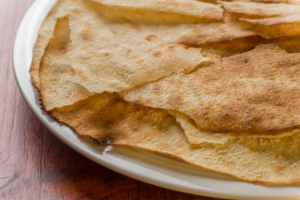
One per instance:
(152,168)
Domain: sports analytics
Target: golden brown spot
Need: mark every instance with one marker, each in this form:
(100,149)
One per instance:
(86,33)
(151,37)
(80,73)
(139,61)
(156,86)
(107,53)
(157,54)
(175,100)
(63,46)
(172,47)
(128,51)
(278,170)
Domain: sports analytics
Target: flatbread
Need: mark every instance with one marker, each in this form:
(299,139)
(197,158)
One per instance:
(290,44)
(56,71)
(241,45)
(269,20)
(289,19)
(104,62)
(138,16)
(232,37)
(259,10)
(279,1)
(60,91)
(196,137)
(184,7)
(54,98)
(237,116)
(233,47)
(44,35)
(276,26)
(186,34)
(110,120)
(253,92)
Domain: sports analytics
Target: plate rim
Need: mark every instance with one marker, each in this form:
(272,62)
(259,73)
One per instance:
(45,118)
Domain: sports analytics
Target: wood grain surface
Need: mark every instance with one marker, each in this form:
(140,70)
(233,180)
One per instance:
(36,165)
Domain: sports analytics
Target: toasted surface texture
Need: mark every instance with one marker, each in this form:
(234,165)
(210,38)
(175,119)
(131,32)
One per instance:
(110,120)
(271,20)
(253,92)
(187,34)
(56,71)
(184,7)
(57,64)
(289,19)
(197,137)
(44,35)
(194,135)
(257,10)
(136,73)
(276,26)
(279,1)
(104,62)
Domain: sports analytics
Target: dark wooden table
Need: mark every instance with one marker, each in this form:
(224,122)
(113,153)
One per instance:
(36,165)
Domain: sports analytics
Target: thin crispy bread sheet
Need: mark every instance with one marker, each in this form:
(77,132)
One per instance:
(241,45)
(105,62)
(274,27)
(191,34)
(270,20)
(109,120)
(44,35)
(57,90)
(56,71)
(69,91)
(279,1)
(197,138)
(186,34)
(259,10)
(253,92)
(185,7)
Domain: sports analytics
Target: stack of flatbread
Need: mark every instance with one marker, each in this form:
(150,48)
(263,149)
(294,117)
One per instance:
(213,83)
